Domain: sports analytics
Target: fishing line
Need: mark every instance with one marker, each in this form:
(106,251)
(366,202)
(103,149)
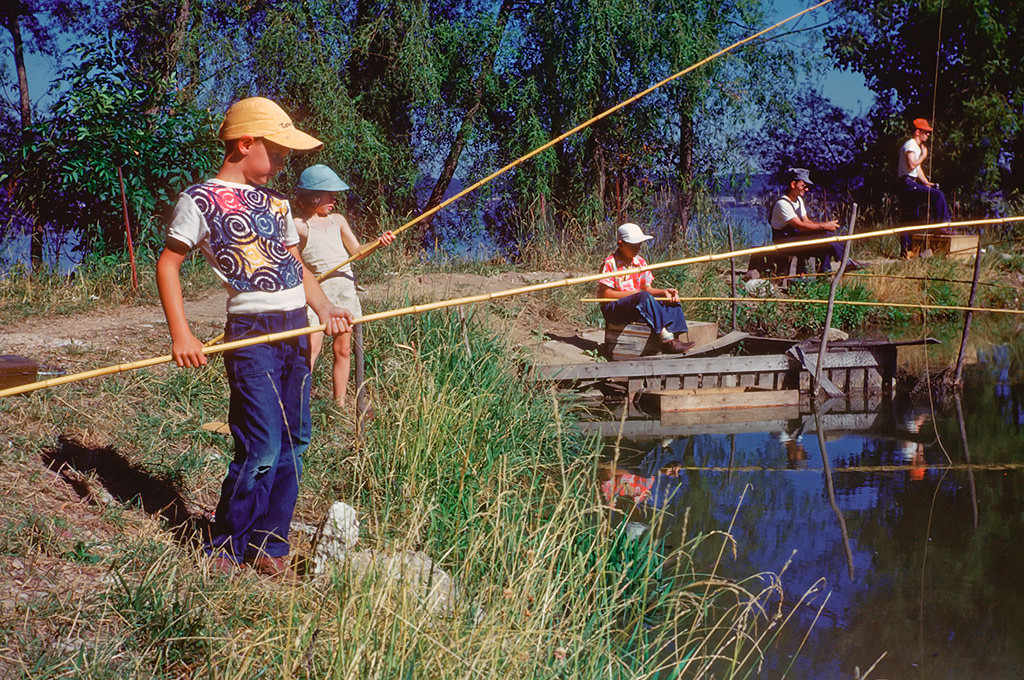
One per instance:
(376,244)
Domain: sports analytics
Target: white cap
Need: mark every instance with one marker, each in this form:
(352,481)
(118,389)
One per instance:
(631,233)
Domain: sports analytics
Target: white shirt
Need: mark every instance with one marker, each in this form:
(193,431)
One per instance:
(903,164)
(785,210)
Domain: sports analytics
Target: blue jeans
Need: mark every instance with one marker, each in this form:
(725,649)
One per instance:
(824,253)
(270,422)
(923,203)
(643,306)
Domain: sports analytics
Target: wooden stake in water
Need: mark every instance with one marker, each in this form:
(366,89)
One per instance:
(831,304)
(957,374)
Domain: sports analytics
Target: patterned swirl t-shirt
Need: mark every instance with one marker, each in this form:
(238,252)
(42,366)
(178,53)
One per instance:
(243,231)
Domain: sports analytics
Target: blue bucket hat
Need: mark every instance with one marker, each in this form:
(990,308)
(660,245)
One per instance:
(320,178)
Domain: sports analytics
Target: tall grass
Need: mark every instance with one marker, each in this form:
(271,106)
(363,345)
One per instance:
(466,461)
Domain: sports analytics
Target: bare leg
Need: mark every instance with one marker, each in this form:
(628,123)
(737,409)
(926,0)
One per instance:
(316,341)
(342,358)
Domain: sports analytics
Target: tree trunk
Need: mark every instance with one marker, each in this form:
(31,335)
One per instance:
(684,174)
(472,107)
(13,25)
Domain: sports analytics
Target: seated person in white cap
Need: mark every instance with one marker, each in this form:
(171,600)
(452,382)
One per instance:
(790,223)
(634,294)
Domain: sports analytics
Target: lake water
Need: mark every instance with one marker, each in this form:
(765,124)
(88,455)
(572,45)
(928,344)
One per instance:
(913,543)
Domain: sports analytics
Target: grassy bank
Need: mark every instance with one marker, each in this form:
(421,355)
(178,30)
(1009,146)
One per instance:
(465,461)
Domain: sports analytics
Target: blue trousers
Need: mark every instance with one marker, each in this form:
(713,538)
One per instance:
(643,306)
(923,203)
(270,422)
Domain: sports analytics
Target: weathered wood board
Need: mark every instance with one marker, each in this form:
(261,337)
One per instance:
(954,245)
(724,416)
(16,370)
(634,340)
(734,398)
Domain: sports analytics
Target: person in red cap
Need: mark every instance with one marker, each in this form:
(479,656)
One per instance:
(922,198)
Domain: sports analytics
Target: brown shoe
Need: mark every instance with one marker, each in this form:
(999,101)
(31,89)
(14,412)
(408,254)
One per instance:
(675,346)
(275,567)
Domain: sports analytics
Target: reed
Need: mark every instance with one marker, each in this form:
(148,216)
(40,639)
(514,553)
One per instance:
(465,461)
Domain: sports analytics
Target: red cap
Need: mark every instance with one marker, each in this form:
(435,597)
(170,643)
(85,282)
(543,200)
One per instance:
(922,124)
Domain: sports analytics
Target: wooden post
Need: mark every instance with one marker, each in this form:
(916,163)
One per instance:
(968,315)
(829,487)
(831,303)
(358,360)
(128,231)
(732,278)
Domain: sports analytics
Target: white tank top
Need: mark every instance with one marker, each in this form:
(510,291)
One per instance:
(324,248)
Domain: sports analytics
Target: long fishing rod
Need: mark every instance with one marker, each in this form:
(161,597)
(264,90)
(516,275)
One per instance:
(894,277)
(373,245)
(953,467)
(484,297)
(815,301)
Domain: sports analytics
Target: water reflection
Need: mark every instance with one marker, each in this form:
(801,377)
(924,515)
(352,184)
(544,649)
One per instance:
(914,520)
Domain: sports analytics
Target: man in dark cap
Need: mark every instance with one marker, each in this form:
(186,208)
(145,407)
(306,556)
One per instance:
(790,223)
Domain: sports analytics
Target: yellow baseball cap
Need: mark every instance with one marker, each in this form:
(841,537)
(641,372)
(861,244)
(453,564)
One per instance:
(260,117)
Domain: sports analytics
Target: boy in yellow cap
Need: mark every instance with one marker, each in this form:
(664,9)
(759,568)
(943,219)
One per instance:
(247,234)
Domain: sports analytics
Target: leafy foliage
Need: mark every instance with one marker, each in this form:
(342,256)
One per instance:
(976,94)
(64,175)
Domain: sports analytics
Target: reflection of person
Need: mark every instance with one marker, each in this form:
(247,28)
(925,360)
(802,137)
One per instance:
(789,222)
(325,241)
(634,295)
(655,483)
(796,454)
(248,235)
(923,199)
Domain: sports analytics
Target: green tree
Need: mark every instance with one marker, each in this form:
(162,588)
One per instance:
(576,59)
(977,92)
(65,173)
(39,21)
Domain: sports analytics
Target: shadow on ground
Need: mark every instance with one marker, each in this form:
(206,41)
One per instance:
(91,471)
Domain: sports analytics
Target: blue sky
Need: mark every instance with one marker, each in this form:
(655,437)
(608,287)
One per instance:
(843,88)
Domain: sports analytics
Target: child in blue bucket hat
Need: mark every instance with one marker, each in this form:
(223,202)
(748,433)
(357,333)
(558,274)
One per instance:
(325,241)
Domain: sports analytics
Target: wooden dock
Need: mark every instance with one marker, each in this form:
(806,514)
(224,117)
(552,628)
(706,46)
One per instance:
(860,369)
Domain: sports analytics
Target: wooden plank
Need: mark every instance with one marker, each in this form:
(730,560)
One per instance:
(723,398)
(696,366)
(955,245)
(730,415)
(719,345)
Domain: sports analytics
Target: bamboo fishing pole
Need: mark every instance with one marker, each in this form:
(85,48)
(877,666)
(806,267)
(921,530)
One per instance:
(896,277)
(821,301)
(373,245)
(485,297)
